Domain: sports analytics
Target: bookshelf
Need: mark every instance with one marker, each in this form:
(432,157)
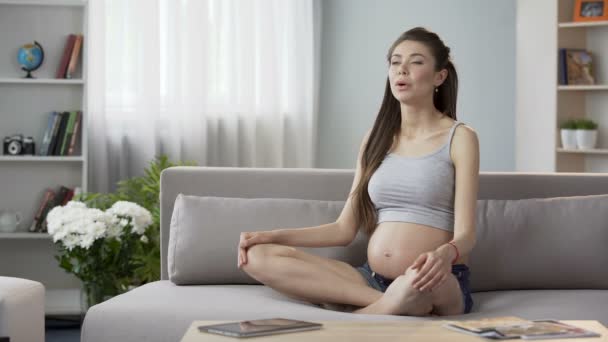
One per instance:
(542,104)
(25,106)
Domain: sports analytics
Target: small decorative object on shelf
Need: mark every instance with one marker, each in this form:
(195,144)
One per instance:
(586,134)
(9,221)
(590,10)
(575,67)
(18,145)
(30,57)
(568,134)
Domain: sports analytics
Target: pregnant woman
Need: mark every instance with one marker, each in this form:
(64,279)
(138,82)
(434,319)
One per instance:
(414,193)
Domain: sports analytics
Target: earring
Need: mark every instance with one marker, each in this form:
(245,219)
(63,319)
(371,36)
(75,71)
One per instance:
(437,89)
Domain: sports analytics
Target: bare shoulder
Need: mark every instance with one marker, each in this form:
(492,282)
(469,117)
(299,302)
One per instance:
(465,144)
(466,133)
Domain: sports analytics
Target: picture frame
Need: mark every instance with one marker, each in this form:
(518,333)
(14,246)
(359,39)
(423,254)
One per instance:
(578,67)
(590,10)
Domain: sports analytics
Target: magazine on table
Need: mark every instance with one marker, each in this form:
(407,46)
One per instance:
(506,328)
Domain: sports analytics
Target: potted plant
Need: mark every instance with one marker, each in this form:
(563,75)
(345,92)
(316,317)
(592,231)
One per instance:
(139,254)
(586,134)
(568,134)
(100,247)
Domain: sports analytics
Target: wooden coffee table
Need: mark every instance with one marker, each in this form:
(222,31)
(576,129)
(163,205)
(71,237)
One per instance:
(378,331)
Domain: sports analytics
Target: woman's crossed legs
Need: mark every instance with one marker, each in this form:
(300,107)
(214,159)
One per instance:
(318,280)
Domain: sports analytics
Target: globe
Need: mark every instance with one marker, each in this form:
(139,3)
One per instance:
(30,57)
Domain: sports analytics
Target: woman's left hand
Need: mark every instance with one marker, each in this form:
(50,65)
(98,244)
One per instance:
(433,269)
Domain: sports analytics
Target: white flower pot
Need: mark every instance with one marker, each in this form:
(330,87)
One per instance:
(569,138)
(586,138)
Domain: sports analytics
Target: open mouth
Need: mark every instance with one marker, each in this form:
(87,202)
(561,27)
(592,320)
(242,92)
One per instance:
(401,85)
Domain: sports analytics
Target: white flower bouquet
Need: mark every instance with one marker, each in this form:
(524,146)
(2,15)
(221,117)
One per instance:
(97,246)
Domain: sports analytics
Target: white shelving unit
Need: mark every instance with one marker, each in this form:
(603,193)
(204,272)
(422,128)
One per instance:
(24,236)
(25,105)
(582,151)
(40,81)
(582,87)
(581,24)
(544,26)
(42,159)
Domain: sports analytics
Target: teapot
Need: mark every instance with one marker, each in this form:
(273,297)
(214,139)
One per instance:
(9,221)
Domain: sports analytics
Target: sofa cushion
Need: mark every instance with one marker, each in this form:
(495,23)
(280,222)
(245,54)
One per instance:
(162,311)
(542,304)
(548,243)
(205,232)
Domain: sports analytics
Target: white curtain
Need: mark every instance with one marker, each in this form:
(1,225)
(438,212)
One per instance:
(218,82)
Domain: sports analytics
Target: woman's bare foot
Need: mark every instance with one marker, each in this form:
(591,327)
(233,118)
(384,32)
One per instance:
(400,298)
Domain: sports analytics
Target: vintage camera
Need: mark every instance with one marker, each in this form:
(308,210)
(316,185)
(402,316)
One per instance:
(18,145)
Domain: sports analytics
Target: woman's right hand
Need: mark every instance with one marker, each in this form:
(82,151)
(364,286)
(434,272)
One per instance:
(249,239)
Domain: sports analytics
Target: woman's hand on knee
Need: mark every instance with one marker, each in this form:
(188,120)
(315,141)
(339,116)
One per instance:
(249,239)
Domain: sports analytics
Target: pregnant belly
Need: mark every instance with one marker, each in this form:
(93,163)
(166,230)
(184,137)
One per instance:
(394,246)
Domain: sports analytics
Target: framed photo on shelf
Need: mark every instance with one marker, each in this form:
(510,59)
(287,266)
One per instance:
(579,67)
(590,10)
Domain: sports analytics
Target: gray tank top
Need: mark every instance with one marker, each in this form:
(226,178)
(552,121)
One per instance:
(416,189)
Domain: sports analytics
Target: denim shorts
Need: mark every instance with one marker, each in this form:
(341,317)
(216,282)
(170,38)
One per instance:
(461,271)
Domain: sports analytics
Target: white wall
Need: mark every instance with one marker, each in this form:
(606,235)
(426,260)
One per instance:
(356,35)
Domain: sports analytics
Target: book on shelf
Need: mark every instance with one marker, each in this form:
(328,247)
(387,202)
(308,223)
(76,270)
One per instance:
(50,200)
(65,116)
(68,132)
(74,134)
(562,76)
(575,67)
(74,57)
(70,57)
(53,133)
(48,133)
(48,196)
(65,59)
(510,327)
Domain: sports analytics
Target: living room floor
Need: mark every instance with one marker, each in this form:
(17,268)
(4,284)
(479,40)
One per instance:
(62,329)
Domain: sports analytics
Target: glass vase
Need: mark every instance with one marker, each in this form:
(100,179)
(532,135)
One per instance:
(91,294)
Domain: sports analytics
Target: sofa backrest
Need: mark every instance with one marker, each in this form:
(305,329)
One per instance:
(334,184)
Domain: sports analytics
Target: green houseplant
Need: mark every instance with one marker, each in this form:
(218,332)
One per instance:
(98,246)
(143,255)
(586,133)
(145,191)
(586,124)
(568,134)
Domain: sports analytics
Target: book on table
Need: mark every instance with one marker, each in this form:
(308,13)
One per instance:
(509,327)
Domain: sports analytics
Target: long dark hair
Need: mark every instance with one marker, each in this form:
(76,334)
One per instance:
(388,121)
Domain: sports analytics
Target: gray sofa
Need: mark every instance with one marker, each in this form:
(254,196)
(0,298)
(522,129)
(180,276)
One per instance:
(541,249)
